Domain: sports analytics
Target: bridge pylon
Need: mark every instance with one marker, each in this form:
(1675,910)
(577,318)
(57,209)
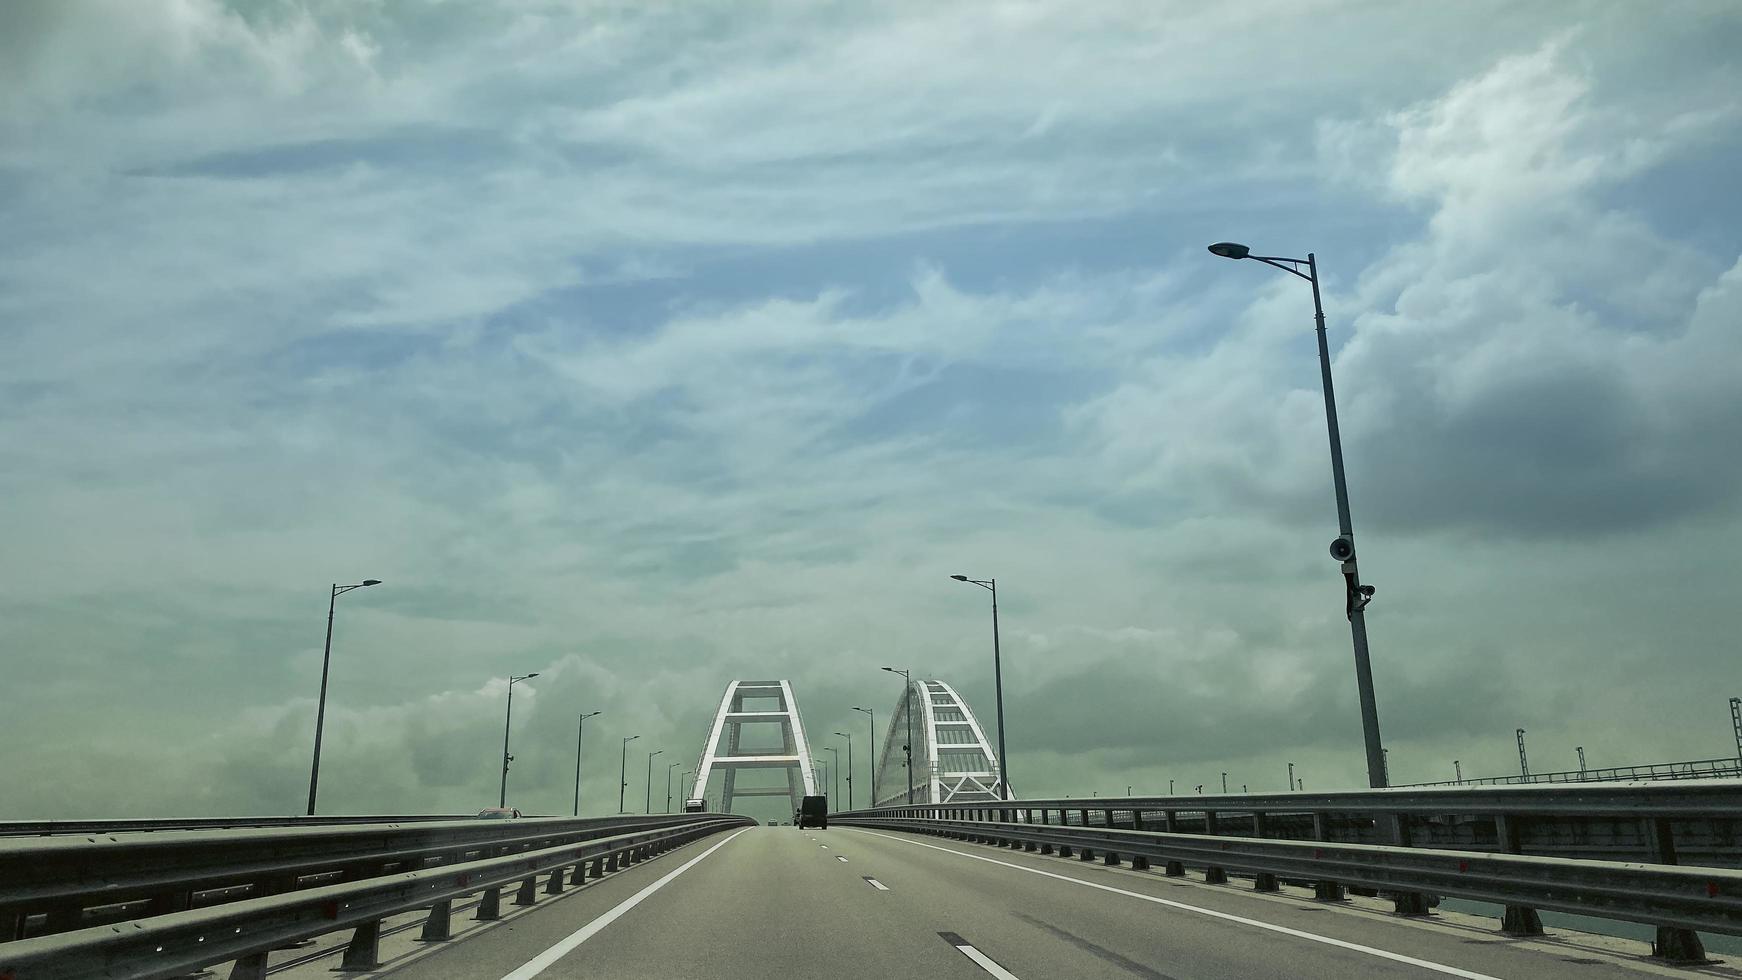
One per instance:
(953,760)
(776,742)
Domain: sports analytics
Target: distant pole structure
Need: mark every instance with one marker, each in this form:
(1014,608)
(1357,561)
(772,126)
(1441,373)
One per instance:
(1736,724)
(1291,777)
(991,585)
(870,750)
(1357,594)
(849,739)
(668,770)
(314,773)
(836,769)
(908,707)
(1458,770)
(1581,750)
(1170,787)
(1224,782)
(580,729)
(1523,762)
(623,773)
(507,722)
(1385,761)
(647,807)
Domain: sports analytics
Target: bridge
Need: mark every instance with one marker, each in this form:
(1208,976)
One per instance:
(949,879)
(1370,883)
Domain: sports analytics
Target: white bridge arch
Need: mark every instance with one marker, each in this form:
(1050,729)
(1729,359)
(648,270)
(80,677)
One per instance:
(953,761)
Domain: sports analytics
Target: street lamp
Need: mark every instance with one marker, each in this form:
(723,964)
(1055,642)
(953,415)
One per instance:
(1343,549)
(686,774)
(908,709)
(991,585)
(872,749)
(623,772)
(836,769)
(668,770)
(506,758)
(647,805)
(579,729)
(314,774)
(1224,782)
(849,739)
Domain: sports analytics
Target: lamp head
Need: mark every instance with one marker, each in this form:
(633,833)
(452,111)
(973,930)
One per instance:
(1230,250)
(960,578)
(371,581)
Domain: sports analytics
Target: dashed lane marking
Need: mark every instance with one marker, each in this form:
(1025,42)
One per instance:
(980,959)
(874,883)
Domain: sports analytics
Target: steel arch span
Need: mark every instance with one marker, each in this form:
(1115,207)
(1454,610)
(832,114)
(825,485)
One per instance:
(952,759)
(727,754)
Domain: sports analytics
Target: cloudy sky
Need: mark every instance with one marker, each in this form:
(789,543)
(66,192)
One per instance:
(652,345)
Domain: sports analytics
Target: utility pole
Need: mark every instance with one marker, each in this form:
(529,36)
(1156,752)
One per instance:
(1458,770)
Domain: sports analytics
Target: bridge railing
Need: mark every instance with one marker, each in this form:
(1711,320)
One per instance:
(1694,823)
(127,825)
(1361,840)
(80,886)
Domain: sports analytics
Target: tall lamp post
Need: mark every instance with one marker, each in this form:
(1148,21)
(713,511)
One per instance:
(908,748)
(991,585)
(835,768)
(623,772)
(872,749)
(314,773)
(579,730)
(506,758)
(668,770)
(683,784)
(647,807)
(849,739)
(1343,549)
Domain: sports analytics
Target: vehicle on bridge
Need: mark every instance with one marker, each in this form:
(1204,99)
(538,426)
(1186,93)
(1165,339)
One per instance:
(695,806)
(813,812)
(500,813)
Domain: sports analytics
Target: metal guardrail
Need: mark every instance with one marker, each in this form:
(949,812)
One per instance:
(34,828)
(1679,901)
(1690,823)
(1697,769)
(62,883)
(178,943)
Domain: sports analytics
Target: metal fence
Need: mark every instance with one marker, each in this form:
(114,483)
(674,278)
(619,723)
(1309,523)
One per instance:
(194,898)
(1659,840)
(1697,769)
(43,828)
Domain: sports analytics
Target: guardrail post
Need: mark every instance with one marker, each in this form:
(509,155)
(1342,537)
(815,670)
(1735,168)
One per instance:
(555,885)
(611,862)
(1673,943)
(1215,876)
(1264,881)
(598,868)
(1176,869)
(437,928)
(528,892)
(1515,920)
(1404,903)
(250,967)
(364,950)
(1138,861)
(1325,891)
(489,905)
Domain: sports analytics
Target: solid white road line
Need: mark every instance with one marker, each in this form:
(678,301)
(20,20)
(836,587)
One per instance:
(985,962)
(1383,954)
(874,883)
(542,962)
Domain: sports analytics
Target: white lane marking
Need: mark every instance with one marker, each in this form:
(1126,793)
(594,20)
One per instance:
(874,883)
(841,857)
(985,962)
(538,964)
(823,846)
(1383,954)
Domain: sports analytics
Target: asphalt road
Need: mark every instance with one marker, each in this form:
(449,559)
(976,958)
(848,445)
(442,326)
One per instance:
(846,903)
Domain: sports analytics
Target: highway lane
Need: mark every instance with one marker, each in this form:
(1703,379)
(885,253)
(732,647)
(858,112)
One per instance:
(769,902)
